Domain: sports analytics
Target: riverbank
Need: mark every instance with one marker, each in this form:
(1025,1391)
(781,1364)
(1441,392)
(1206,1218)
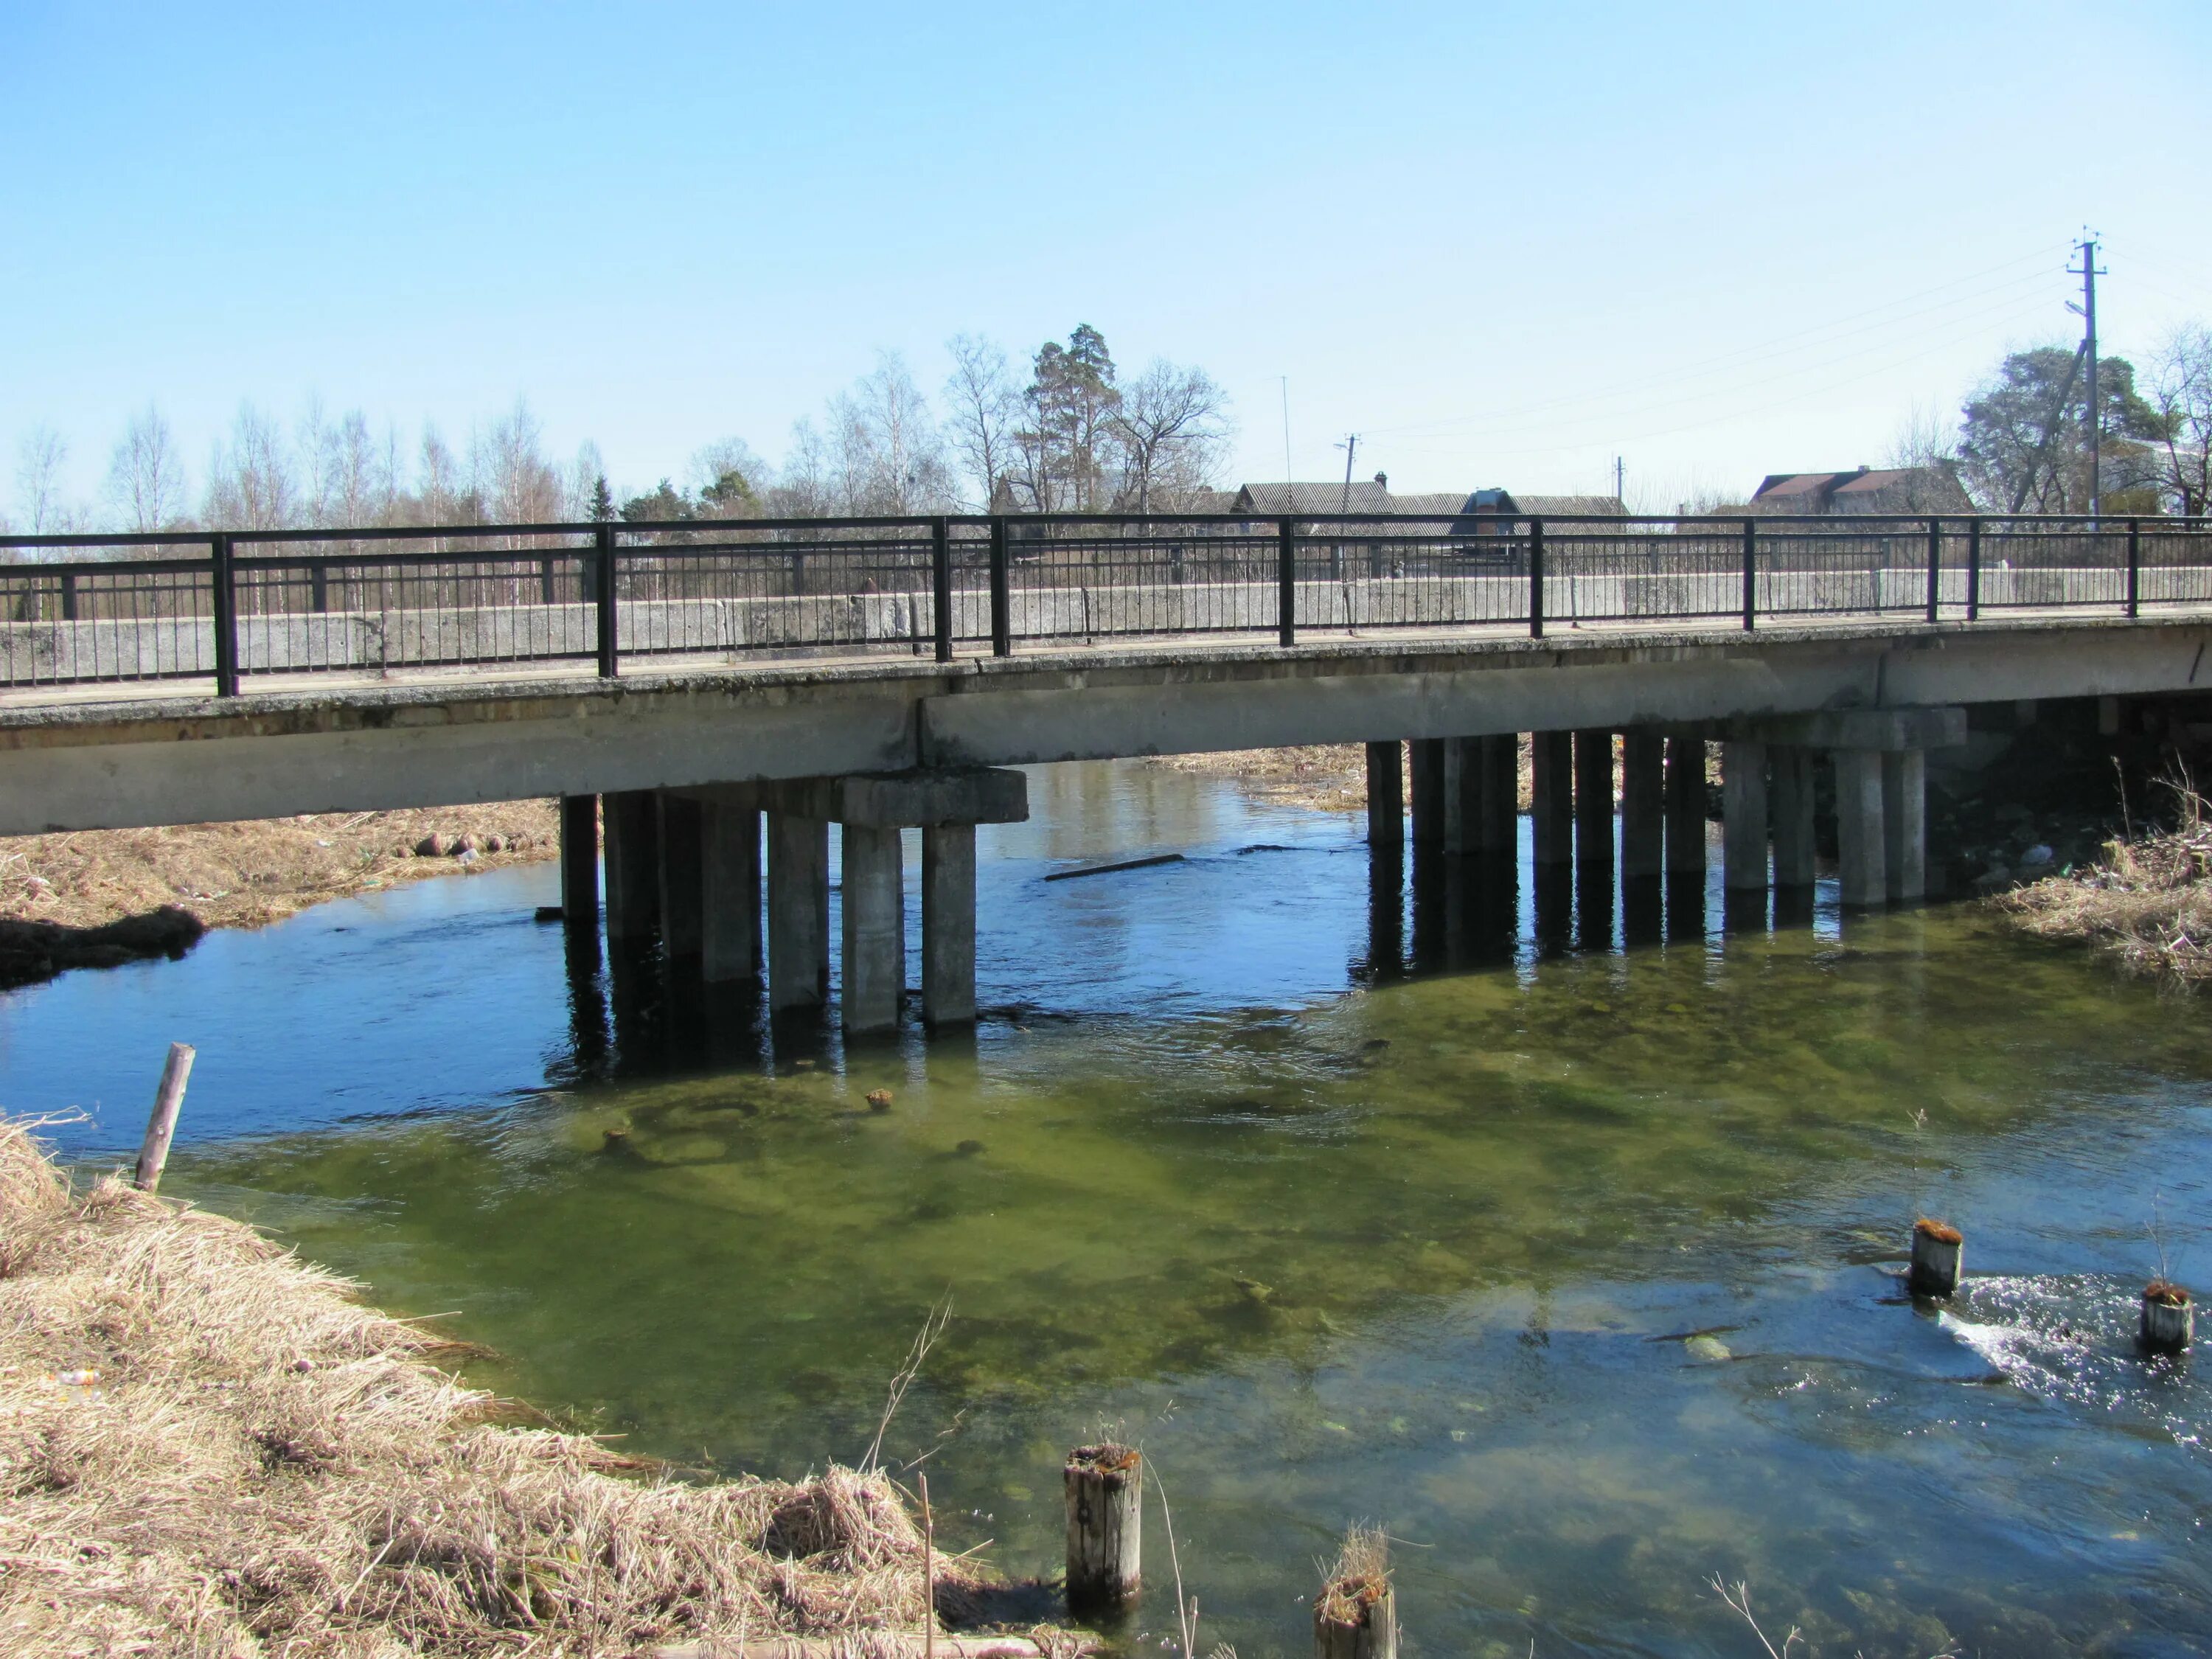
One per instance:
(1328,777)
(2147,903)
(209,1446)
(97,899)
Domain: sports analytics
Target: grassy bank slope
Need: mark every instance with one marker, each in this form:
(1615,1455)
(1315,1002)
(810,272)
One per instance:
(209,1447)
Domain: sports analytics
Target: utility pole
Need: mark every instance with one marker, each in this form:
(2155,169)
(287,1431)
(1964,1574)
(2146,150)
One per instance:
(1350,447)
(2088,274)
(1619,479)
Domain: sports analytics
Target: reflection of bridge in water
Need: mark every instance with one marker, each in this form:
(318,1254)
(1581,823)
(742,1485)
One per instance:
(718,694)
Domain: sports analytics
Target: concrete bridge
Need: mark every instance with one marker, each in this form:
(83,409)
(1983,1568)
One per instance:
(712,770)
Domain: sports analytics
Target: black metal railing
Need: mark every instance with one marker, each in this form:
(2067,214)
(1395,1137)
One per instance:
(277,605)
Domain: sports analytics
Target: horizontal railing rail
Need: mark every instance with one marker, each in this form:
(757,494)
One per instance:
(231,606)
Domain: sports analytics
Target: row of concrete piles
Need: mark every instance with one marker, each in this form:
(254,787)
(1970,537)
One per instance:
(688,868)
(1460,796)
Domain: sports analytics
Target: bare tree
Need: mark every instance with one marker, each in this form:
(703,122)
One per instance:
(581,482)
(2181,398)
(517,483)
(885,453)
(39,459)
(251,482)
(1173,424)
(1925,438)
(986,407)
(355,488)
(805,489)
(145,475)
(441,497)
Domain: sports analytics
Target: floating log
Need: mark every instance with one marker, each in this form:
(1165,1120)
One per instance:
(162,1127)
(2169,1318)
(1355,1614)
(1938,1248)
(1108,869)
(1105,1517)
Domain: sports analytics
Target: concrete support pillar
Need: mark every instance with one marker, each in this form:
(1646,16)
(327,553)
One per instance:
(1789,766)
(1642,804)
(798,912)
(1743,815)
(730,893)
(1386,795)
(1593,797)
(682,893)
(1685,805)
(1501,796)
(948,924)
(1859,826)
(1463,795)
(1552,797)
(632,843)
(1905,825)
(580,860)
(1428,780)
(874,941)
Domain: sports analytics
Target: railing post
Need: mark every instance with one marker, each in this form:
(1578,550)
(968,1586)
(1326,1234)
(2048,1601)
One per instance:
(1974,570)
(1934,567)
(609,646)
(1286,582)
(1750,574)
(1535,578)
(224,574)
(318,585)
(2134,567)
(69,596)
(1002,599)
(940,582)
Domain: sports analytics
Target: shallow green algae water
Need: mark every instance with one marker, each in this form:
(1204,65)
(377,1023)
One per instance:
(1335,1245)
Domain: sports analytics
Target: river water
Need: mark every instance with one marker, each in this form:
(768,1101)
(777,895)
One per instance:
(1565,1248)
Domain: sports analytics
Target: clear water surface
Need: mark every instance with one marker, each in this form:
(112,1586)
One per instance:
(1344,1208)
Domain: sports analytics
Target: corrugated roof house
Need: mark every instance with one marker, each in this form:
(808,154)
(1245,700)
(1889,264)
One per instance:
(1373,499)
(1865,492)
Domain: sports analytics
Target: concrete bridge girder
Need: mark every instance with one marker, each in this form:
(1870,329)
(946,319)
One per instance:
(88,766)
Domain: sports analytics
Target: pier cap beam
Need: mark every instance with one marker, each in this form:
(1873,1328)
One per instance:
(1880,731)
(924,797)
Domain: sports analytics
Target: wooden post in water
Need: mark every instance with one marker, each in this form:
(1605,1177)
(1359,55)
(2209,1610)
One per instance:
(1938,1248)
(1355,1614)
(2168,1317)
(1105,1517)
(162,1127)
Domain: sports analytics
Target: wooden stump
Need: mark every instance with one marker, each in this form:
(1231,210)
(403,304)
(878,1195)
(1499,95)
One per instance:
(1355,1614)
(161,1127)
(2168,1317)
(1938,1249)
(1105,1514)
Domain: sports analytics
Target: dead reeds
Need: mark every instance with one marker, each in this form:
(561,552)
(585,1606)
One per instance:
(210,1447)
(2148,903)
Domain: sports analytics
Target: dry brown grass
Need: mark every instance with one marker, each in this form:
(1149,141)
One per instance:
(1357,1581)
(2148,903)
(241,875)
(209,1447)
(95,898)
(1327,777)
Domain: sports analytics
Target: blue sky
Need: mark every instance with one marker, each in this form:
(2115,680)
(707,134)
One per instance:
(1504,243)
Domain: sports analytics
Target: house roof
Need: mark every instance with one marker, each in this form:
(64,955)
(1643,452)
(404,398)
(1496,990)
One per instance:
(1365,496)
(1371,499)
(1864,489)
